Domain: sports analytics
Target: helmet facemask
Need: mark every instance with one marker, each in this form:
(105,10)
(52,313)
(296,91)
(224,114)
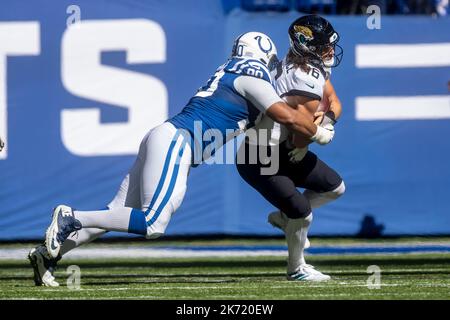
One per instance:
(331,55)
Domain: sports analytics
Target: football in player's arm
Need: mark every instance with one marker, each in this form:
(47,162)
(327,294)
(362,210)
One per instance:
(296,118)
(328,110)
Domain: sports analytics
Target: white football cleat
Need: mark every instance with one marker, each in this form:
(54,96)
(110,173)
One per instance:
(63,224)
(306,272)
(43,267)
(279,220)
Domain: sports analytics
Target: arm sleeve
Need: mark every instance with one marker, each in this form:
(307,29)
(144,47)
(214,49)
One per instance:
(258,91)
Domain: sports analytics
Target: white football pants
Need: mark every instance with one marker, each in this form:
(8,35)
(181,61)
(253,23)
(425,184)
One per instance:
(156,183)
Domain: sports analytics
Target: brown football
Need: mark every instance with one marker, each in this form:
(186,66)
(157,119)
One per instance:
(301,141)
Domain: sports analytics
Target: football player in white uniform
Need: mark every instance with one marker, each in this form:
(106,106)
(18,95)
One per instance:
(155,186)
(302,80)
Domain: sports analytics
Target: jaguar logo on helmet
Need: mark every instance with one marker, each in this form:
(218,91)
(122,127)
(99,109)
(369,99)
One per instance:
(303,33)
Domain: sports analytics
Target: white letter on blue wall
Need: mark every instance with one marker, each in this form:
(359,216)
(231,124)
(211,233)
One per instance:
(83,75)
(16,39)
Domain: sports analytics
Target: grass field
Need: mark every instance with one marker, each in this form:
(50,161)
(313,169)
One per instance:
(407,276)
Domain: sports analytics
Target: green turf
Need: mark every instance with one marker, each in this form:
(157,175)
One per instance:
(424,276)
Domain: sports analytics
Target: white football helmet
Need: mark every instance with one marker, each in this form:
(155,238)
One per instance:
(255,45)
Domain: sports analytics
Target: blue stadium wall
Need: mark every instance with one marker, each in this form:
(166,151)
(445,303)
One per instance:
(396,170)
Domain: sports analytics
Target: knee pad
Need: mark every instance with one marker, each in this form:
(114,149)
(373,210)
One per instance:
(339,191)
(335,193)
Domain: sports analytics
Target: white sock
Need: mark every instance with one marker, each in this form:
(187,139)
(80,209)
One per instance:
(318,199)
(117,219)
(296,233)
(81,237)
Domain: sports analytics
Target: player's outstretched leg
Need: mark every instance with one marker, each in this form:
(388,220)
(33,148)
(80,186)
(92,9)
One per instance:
(296,232)
(43,266)
(162,169)
(128,195)
(63,224)
(66,221)
(82,237)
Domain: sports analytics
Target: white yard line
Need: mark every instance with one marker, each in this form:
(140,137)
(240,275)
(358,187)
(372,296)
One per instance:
(108,252)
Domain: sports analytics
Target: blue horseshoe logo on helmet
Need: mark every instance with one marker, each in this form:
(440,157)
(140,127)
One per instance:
(266,51)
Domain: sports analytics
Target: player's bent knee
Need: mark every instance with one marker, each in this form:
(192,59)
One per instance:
(296,207)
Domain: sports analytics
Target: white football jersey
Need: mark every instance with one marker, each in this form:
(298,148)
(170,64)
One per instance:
(288,81)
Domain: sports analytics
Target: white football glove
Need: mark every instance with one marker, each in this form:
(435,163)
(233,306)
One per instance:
(297,155)
(324,134)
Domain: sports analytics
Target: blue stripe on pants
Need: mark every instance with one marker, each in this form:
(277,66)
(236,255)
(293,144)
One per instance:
(163,174)
(173,181)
